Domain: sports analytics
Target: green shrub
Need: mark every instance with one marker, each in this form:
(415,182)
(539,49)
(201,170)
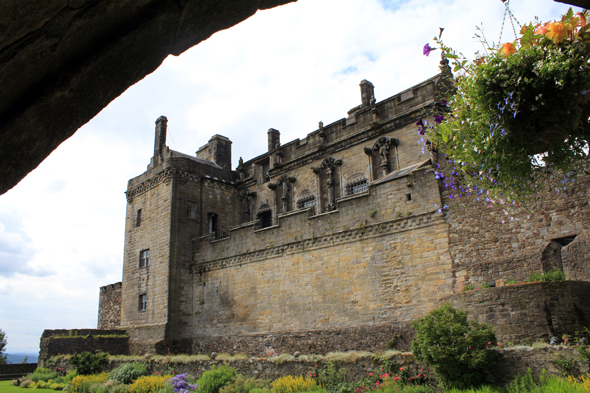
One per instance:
(87,363)
(216,378)
(459,351)
(128,372)
(553,275)
(241,385)
(43,374)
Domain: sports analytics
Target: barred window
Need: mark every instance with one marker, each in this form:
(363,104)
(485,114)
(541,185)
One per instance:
(306,202)
(356,186)
(144,258)
(142,306)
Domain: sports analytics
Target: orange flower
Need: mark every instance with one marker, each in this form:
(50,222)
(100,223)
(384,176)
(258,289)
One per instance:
(508,48)
(542,29)
(558,31)
(580,19)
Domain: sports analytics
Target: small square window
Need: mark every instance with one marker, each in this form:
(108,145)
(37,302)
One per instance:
(191,210)
(138,218)
(142,306)
(408,197)
(144,258)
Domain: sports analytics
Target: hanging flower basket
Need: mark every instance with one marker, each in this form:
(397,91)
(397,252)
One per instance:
(519,113)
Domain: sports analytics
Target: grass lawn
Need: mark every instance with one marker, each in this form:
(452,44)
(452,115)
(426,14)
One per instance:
(6,388)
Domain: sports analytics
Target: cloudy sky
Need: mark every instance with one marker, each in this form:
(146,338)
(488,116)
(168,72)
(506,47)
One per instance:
(62,227)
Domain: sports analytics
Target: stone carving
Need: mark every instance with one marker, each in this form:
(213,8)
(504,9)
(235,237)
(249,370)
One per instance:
(329,165)
(382,148)
(241,169)
(322,134)
(246,196)
(285,180)
(374,110)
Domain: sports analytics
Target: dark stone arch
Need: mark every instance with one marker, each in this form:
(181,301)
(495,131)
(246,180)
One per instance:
(63,61)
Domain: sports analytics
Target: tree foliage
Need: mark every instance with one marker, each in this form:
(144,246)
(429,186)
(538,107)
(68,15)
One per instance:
(2,346)
(87,363)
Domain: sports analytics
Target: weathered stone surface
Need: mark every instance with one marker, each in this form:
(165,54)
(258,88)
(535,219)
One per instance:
(62,61)
(109,306)
(62,341)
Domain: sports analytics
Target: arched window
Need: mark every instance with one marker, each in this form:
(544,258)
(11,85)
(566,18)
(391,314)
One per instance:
(356,184)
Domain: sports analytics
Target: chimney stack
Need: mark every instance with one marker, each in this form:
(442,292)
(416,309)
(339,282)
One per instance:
(274,139)
(367,92)
(160,143)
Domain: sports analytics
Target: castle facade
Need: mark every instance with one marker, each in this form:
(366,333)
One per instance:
(336,241)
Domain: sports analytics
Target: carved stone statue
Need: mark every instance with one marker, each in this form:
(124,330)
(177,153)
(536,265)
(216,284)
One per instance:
(330,183)
(374,110)
(241,169)
(322,134)
(384,155)
(246,196)
(285,197)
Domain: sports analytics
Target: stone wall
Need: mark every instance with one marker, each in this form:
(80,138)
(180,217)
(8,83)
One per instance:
(488,245)
(529,312)
(14,371)
(372,338)
(378,258)
(109,306)
(357,366)
(62,341)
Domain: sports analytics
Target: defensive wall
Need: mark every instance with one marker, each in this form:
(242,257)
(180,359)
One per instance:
(14,371)
(63,341)
(109,306)
(357,366)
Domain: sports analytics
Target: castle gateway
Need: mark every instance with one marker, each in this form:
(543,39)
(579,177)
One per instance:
(332,242)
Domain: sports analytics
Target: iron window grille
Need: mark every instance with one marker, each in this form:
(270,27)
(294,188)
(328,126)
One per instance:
(357,187)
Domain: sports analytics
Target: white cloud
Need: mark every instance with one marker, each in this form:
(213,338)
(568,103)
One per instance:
(285,68)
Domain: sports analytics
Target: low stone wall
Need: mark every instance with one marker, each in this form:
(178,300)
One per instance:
(513,361)
(528,312)
(61,342)
(371,338)
(14,371)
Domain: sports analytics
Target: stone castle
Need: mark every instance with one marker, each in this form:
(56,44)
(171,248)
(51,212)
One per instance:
(336,241)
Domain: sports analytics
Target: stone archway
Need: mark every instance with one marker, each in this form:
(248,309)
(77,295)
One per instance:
(63,61)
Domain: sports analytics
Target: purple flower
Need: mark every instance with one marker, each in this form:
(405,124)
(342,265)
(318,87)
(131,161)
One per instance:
(439,119)
(427,49)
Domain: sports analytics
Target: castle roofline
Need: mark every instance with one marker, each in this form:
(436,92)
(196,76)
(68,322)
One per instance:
(177,154)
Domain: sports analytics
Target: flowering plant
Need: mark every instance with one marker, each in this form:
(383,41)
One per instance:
(180,384)
(517,114)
